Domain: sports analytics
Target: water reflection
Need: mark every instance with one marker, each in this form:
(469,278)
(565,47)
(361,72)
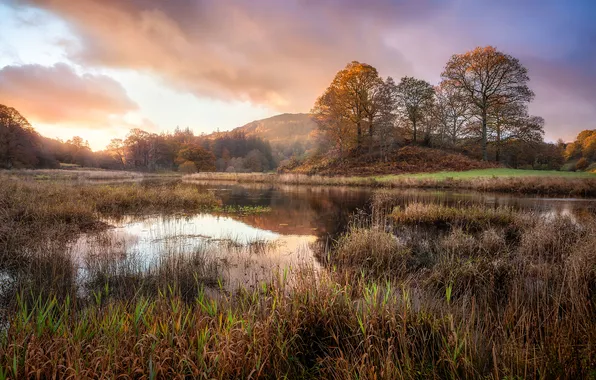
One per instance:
(299,217)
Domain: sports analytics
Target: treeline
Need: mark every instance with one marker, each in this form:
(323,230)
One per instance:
(581,153)
(22,147)
(479,108)
(182,150)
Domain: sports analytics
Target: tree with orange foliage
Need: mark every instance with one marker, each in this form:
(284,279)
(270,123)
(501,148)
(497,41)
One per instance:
(350,105)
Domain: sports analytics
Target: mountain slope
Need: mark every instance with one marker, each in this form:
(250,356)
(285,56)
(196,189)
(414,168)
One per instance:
(281,129)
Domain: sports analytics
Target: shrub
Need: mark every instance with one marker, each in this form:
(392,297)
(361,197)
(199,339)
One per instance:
(187,167)
(582,164)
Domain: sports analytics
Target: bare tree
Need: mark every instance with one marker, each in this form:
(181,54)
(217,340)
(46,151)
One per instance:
(385,123)
(486,76)
(510,121)
(414,100)
(451,113)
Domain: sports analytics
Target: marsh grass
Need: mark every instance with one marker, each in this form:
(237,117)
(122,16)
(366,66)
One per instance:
(511,181)
(468,217)
(82,174)
(27,203)
(523,306)
(401,299)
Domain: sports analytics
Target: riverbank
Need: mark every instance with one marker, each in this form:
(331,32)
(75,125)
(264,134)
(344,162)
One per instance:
(81,174)
(547,183)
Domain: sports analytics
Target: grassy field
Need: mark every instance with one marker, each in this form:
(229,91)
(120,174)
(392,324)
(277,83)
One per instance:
(489,173)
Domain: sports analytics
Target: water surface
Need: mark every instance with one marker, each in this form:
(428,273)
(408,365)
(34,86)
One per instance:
(299,223)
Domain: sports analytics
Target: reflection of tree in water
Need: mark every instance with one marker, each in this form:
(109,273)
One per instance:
(299,210)
(326,211)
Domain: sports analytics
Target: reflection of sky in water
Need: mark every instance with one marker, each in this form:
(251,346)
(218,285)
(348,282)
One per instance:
(161,233)
(299,216)
(224,239)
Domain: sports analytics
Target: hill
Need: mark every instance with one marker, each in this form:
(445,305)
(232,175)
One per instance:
(409,159)
(284,129)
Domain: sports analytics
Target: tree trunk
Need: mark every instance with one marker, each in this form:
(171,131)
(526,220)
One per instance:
(484,151)
(498,154)
(358,134)
(414,125)
(370,134)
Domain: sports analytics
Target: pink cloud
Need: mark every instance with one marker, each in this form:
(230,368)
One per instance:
(57,94)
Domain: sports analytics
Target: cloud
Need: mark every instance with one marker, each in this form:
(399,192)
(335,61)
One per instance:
(282,54)
(57,94)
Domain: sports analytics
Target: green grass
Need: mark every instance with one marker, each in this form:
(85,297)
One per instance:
(488,173)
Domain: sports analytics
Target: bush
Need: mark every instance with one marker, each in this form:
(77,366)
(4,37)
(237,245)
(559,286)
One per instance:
(188,167)
(582,164)
(569,167)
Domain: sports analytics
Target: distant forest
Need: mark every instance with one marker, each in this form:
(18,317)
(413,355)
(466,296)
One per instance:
(479,109)
(22,147)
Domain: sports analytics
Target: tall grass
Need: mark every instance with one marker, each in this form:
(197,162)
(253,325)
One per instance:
(541,185)
(482,293)
(44,216)
(83,174)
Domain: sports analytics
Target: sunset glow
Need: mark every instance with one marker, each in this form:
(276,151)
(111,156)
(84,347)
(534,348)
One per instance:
(99,68)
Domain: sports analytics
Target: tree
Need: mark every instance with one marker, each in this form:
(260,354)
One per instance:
(584,146)
(329,115)
(414,100)
(350,103)
(255,161)
(137,148)
(116,150)
(509,121)
(451,113)
(486,76)
(19,143)
(387,117)
(202,158)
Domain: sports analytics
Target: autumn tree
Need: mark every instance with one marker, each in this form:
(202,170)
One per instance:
(414,101)
(329,115)
(584,146)
(203,160)
(19,143)
(116,150)
(486,76)
(349,106)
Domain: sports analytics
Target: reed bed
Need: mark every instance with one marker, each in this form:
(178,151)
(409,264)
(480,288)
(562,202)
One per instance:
(34,214)
(548,186)
(84,174)
(483,293)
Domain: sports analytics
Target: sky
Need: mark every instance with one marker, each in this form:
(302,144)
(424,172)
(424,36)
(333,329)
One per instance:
(97,68)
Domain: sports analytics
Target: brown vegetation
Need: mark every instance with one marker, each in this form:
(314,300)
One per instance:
(33,211)
(409,159)
(548,186)
(401,303)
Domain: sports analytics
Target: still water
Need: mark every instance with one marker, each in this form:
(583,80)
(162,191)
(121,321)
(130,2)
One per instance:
(298,223)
